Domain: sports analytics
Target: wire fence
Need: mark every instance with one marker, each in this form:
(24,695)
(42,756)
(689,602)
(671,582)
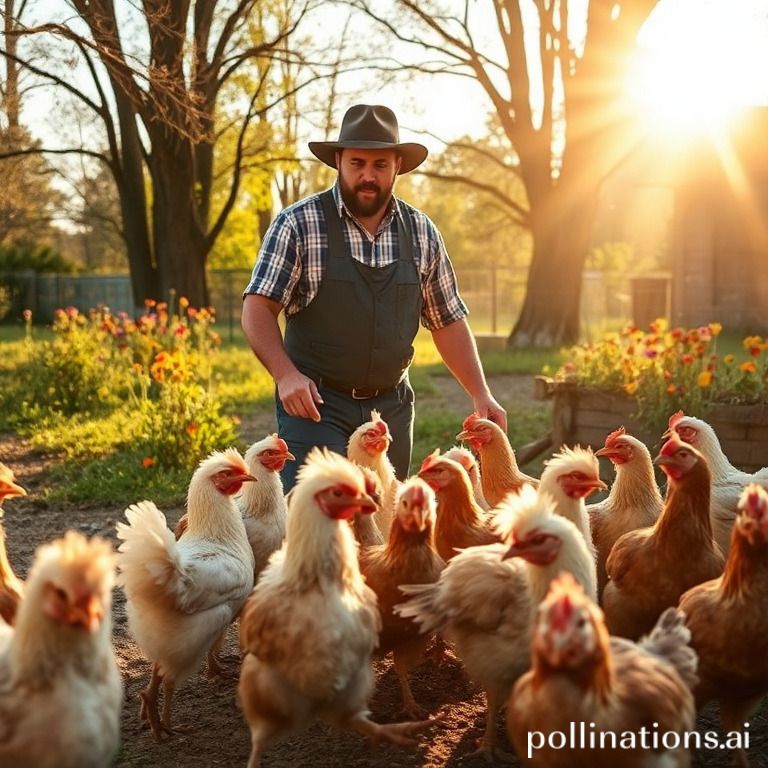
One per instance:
(494,296)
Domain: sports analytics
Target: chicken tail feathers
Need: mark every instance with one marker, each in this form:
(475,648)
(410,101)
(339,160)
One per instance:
(422,607)
(670,640)
(148,555)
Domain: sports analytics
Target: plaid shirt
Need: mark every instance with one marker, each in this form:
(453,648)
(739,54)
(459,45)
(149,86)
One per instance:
(293,256)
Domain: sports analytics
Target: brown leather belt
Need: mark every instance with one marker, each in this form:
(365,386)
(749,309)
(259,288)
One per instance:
(357,393)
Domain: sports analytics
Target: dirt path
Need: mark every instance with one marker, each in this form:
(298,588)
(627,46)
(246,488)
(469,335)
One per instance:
(220,737)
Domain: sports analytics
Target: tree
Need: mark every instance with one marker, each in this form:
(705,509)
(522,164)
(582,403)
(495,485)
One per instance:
(559,97)
(156,99)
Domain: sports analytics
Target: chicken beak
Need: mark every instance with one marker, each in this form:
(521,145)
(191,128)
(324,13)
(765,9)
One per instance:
(606,451)
(663,461)
(514,551)
(595,485)
(667,434)
(367,505)
(465,434)
(87,613)
(9,489)
(245,478)
(288,456)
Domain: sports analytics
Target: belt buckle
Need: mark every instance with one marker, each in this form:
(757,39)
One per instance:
(355,396)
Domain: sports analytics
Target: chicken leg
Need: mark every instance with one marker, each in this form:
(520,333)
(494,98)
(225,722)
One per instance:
(398,733)
(487,747)
(405,658)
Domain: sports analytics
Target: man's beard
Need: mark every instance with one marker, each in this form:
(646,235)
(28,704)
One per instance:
(368,207)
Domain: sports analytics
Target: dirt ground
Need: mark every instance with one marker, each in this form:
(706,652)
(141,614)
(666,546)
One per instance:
(219,736)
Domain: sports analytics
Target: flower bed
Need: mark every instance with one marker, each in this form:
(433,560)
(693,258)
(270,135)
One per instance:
(637,379)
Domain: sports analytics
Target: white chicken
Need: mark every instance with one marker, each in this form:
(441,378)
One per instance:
(367,447)
(11,587)
(484,600)
(310,626)
(727,481)
(60,687)
(181,595)
(569,477)
(262,503)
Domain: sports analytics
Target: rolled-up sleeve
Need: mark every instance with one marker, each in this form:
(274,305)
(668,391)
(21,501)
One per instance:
(442,303)
(278,266)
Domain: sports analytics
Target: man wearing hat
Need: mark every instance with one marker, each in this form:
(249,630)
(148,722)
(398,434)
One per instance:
(356,270)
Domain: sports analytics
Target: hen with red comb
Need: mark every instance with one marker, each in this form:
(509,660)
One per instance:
(728,618)
(649,568)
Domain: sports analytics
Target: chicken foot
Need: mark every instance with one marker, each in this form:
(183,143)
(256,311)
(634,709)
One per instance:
(404,659)
(397,733)
(487,748)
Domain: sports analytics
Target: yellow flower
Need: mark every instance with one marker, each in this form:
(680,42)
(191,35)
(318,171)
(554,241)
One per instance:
(630,387)
(729,359)
(715,328)
(705,378)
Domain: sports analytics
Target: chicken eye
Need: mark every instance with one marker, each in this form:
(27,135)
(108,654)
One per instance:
(60,594)
(537,541)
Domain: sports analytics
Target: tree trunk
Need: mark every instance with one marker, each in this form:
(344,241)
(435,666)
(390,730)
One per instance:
(180,240)
(561,235)
(11,100)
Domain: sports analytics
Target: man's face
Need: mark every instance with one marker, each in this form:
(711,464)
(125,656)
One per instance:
(366,179)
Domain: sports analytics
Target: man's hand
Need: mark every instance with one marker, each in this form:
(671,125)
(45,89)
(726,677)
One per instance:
(298,394)
(488,408)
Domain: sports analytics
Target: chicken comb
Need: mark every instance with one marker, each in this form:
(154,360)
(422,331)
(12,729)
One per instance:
(614,436)
(379,425)
(470,422)
(754,500)
(673,444)
(415,491)
(675,419)
(280,444)
(431,460)
(565,594)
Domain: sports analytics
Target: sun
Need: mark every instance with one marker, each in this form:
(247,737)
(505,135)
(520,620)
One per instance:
(699,63)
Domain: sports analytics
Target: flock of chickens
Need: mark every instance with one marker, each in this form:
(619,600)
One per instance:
(633,611)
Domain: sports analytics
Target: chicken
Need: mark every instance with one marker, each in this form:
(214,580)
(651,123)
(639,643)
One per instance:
(498,466)
(728,618)
(310,626)
(367,447)
(364,526)
(11,587)
(460,521)
(483,601)
(262,503)
(648,569)
(727,481)
(60,688)
(609,687)
(467,460)
(409,557)
(634,501)
(181,595)
(569,477)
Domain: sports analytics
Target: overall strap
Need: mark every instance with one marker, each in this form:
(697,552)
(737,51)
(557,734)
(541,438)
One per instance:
(333,225)
(405,236)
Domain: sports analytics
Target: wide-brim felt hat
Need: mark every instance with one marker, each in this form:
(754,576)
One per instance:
(368,126)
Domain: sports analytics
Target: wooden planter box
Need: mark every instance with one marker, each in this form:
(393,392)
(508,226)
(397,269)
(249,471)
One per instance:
(585,417)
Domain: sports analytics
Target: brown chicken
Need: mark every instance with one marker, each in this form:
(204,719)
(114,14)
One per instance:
(606,687)
(461,522)
(363,524)
(499,472)
(727,481)
(409,557)
(634,501)
(728,618)
(11,587)
(310,626)
(467,459)
(648,569)
(368,447)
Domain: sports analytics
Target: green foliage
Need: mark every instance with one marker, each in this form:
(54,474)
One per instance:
(23,254)
(110,390)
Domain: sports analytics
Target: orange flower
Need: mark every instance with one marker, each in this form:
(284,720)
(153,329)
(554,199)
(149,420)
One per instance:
(192,428)
(671,389)
(630,387)
(748,367)
(715,328)
(705,379)
(147,462)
